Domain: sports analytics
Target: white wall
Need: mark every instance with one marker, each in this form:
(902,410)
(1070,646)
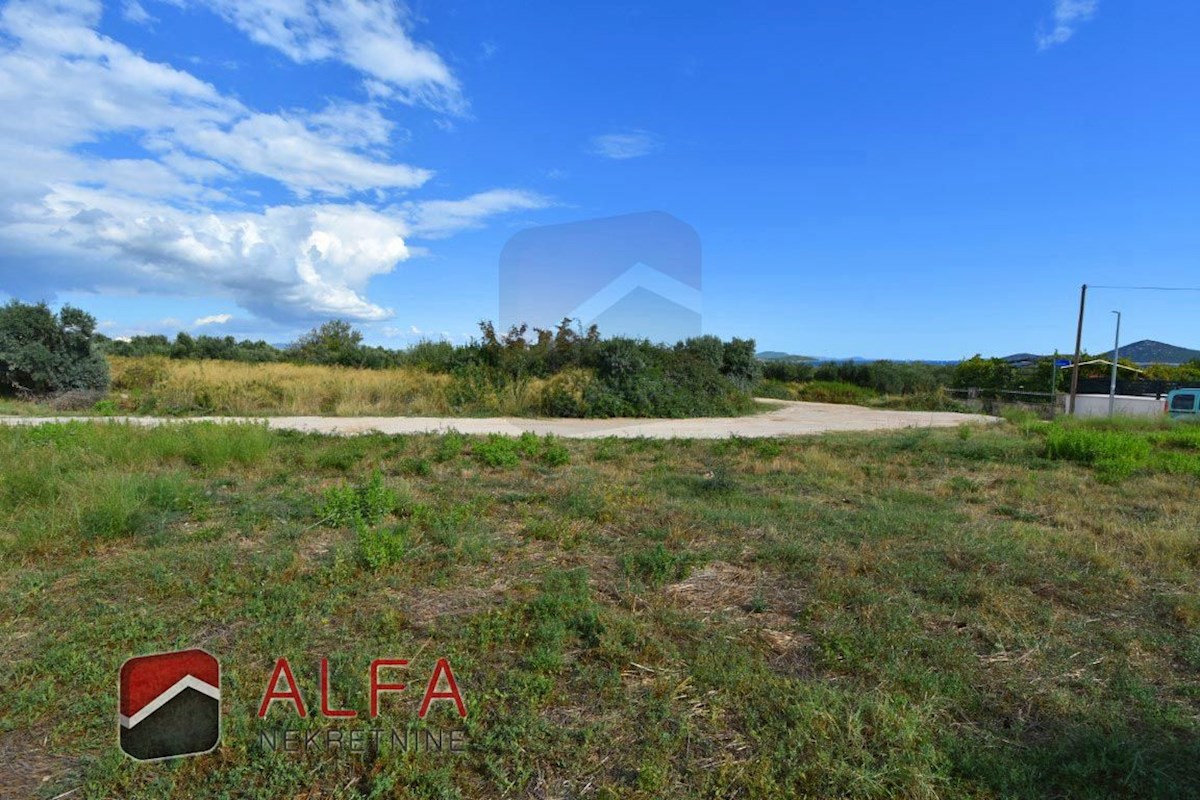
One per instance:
(1096,405)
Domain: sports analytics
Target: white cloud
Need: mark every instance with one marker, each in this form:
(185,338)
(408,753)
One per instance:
(438,218)
(176,218)
(621,146)
(74,85)
(285,262)
(301,157)
(136,13)
(372,36)
(212,319)
(1068,15)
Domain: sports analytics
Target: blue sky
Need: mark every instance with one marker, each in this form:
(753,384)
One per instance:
(867,178)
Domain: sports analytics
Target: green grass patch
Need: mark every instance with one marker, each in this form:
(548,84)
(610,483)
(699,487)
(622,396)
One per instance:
(917,614)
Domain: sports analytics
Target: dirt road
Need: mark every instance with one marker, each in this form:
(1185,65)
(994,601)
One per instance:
(786,419)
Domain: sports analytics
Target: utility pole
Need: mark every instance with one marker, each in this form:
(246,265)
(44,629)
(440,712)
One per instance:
(1078,352)
(1112,386)
(1054,385)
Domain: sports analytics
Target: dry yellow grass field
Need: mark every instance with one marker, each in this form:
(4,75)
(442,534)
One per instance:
(165,386)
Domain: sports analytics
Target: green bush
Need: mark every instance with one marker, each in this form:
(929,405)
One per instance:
(553,452)
(359,506)
(497,451)
(384,547)
(449,447)
(45,353)
(566,394)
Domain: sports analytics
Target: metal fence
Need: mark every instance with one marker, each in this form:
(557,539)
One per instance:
(1131,387)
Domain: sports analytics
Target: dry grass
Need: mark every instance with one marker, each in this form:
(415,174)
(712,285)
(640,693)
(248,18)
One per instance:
(172,387)
(227,387)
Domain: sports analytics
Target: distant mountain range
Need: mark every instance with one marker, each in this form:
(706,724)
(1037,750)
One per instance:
(776,355)
(791,358)
(1144,352)
(1141,353)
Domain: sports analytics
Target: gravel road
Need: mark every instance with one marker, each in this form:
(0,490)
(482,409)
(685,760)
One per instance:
(785,419)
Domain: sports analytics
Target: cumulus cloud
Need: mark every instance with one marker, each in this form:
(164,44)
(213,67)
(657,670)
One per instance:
(285,263)
(176,214)
(212,319)
(621,146)
(1068,15)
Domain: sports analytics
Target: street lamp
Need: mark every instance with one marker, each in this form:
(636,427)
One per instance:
(1112,386)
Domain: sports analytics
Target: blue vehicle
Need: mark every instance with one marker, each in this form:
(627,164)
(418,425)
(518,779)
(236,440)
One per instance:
(1184,404)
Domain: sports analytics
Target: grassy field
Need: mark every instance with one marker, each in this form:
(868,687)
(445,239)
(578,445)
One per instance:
(171,387)
(1010,612)
(168,387)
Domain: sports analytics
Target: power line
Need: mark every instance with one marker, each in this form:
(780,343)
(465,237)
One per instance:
(1150,288)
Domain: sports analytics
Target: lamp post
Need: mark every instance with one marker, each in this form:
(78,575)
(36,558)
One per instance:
(1112,386)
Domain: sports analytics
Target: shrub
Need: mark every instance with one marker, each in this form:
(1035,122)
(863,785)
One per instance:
(936,400)
(141,374)
(554,453)
(740,363)
(335,342)
(358,506)
(449,447)
(527,444)
(383,547)
(833,392)
(497,451)
(566,394)
(44,353)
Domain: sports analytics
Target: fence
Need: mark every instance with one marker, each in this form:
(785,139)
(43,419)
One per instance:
(1134,387)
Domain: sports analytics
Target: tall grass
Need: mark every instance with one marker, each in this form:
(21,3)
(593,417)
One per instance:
(161,386)
(1118,448)
(71,486)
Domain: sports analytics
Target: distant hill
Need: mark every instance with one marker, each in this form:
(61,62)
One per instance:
(776,355)
(1144,352)
(1023,359)
(1149,351)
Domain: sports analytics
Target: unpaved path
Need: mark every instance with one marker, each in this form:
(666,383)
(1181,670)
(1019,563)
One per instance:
(786,419)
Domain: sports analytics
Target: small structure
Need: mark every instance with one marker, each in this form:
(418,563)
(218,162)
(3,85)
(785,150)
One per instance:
(1096,405)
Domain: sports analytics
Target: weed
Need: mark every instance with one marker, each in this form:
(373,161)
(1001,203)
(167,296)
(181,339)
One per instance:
(657,565)
(498,451)
(419,466)
(553,453)
(359,506)
(449,446)
(384,547)
(527,445)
